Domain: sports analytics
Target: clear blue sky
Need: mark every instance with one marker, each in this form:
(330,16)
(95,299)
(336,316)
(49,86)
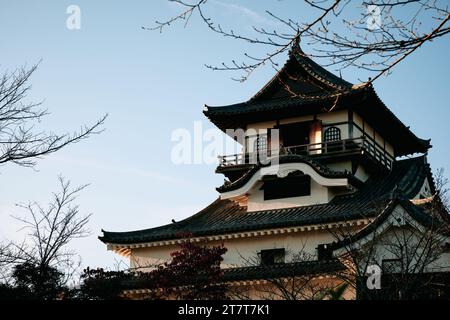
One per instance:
(151,84)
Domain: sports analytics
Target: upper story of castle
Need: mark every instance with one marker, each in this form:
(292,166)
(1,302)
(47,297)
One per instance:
(308,136)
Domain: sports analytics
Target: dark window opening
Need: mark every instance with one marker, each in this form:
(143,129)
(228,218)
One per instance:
(272,256)
(324,252)
(295,134)
(289,187)
(332,134)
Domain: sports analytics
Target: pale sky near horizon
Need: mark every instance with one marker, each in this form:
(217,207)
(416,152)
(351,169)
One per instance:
(151,84)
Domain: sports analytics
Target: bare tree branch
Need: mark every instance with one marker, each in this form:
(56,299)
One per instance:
(381,35)
(49,230)
(20,142)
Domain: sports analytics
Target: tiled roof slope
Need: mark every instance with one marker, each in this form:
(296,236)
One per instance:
(323,81)
(439,223)
(316,90)
(225,216)
(282,270)
(257,272)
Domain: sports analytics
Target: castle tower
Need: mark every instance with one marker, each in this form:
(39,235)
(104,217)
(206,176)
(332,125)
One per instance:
(318,154)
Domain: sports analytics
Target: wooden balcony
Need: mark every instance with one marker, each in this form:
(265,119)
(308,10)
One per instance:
(361,145)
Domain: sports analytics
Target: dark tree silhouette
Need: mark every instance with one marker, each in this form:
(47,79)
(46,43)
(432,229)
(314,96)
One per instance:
(38,282)
(193,273)
(101,284)
(42,263)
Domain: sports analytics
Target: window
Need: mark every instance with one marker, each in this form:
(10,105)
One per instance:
(260,152)
(260,144)
(332,134)
(324,252)
(291,186)
(391,266)
(272,256)
(295,134)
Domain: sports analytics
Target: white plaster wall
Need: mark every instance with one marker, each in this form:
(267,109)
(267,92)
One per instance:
(334,116)
(389,149)
(371,132)
(261,126)
(401,231)
(242,251)
(357,119)
(387,245)
(145,257)
(326,118)
(379,139)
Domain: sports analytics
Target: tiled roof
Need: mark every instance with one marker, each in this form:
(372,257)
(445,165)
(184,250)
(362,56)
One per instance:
(319,88)
(258,272)
(325,81)
(309,104)
(282,270)
(331,92)
(225,216)
(363,100)
(439,223)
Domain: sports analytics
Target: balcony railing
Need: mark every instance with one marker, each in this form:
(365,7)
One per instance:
(363,144)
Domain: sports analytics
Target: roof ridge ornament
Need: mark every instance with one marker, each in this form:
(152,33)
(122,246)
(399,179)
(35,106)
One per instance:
(297,40)
(295,45)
